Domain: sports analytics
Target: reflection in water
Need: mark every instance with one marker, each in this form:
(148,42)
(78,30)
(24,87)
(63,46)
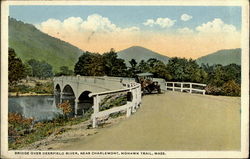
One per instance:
(38,107)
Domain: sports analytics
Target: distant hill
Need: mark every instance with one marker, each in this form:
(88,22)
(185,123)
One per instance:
(139,53)
(223,57)
(28,42)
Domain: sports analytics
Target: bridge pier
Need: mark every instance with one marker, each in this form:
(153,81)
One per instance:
(76,106)
(61,97)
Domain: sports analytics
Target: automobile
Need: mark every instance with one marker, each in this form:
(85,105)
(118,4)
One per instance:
(148,85)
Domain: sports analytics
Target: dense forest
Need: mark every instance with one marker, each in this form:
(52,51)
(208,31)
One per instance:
(220,80)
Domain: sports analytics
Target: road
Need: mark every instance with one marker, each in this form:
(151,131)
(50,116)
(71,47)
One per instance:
(172,121)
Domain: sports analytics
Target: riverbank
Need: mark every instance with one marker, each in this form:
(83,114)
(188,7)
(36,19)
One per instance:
(17,94)
(32,87)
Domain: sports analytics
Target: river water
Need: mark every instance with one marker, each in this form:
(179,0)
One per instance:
(38,107)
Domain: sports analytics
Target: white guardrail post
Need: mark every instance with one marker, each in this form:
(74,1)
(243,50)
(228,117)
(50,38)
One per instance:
(190,91)
(96,110)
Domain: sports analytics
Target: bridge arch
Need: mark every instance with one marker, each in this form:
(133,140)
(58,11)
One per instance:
(68,94)
(85,102)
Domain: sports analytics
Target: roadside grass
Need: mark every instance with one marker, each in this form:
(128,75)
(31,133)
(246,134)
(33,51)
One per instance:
(24,135)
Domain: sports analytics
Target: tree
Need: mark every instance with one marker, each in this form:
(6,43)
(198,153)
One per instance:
(64,71)
(89,64)
(40,69)
(143,66)
(158,68)
(133,70)
(113,66)
(184,70)
(176,68)
(233,72)
(16,68)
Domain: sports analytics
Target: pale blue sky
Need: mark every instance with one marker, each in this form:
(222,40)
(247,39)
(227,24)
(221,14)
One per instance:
(125,16)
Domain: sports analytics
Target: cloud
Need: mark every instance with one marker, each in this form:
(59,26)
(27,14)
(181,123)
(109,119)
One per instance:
(92,33)
(162,22)
(216,26)
(186,17)
(185,30)
(93,23)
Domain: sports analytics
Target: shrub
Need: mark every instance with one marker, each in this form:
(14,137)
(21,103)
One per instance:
(213,90)
(231,88)
(18,121)
(65,107)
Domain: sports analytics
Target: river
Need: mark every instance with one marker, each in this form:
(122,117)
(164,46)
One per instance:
(38,107)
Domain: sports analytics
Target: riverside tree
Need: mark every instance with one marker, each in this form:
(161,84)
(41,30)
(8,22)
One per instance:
(65,71)
(16,68)
(40,69)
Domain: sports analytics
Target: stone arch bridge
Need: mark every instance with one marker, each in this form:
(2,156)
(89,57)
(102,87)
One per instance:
(76,89)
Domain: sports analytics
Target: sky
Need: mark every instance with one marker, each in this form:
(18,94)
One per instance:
(183,31)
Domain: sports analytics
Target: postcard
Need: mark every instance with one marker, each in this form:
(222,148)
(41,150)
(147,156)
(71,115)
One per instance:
(125,79)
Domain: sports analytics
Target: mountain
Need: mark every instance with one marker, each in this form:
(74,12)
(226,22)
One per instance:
(139,53)
(30,43)
(223,57)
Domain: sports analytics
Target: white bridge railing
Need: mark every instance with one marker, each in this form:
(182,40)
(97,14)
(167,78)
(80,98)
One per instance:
(129,107)
(186,86)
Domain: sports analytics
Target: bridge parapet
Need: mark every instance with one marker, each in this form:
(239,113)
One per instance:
(106,82)
(130,107)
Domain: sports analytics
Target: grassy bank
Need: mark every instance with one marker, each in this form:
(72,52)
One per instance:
(23,131)
(31,87)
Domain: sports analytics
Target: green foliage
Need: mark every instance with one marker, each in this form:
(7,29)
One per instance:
(89,64)
(20,88)
(30,43)
(181,69)
(158,68)
(64,71)
(133,69)
(40,69)
(93,64)
(143,66)
(113,66)
(113,101)
(17,69)
(42,88)
(218,74)
(39,88)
